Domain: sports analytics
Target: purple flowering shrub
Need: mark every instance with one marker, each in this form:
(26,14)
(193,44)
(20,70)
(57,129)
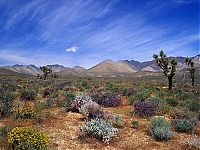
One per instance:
(145,109)
(110,100)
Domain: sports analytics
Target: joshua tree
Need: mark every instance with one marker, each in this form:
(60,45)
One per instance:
(190,67)
(169,68)
(45,71)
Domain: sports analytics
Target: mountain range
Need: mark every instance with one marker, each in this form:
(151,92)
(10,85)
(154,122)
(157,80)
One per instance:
(105,68)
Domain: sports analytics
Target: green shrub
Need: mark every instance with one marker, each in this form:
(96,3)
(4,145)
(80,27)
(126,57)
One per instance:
(160,129)
(162,105)
(99,129)
(116,120)
(128,91)
(9,87)
(141,96)
(134,124)
(187,95)
(27,138)
(3,132)
(39,107)
(164,94)
(193,105)
(28,94)
(6,103)
(172,102)
(157,101)
(66,102)
(184,125)
(181,113)
(164,109)
(49,102)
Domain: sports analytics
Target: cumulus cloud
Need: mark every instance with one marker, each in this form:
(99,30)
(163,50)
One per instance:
(72,49)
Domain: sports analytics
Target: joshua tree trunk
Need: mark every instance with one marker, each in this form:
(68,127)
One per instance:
(170,82)
(45,76)
(192,81)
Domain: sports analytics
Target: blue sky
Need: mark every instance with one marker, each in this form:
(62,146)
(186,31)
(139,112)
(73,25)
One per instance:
(85,32)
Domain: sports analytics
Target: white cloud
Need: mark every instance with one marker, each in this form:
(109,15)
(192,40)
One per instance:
(72,49)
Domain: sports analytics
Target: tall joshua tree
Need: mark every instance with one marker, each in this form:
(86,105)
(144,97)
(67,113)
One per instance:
(45,71)
(190,67)
(168,67)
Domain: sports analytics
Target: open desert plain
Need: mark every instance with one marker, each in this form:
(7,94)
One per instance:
(99,75)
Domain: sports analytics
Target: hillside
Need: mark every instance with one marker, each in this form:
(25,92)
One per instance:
(105,68)
(111,68)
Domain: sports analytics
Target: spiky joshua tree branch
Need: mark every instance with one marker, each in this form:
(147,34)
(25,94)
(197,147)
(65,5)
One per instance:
(168,67)
(45,71)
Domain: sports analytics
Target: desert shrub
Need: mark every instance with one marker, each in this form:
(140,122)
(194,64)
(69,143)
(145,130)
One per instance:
(6,103)
(193,105)
(39,107)
(181,113)
(160,129)
(161,104)
(81,100)
(129,91)
(116,120)
(85,84)
(141,96)
(4,132)
(47,91)
(28,94)
(23,113)
(157,101)
(49,102)
(164,94)
(172,102)
(99,129)
(27,138)
(110,100)
(91,110)
(184,125)
(66,102)
(59,86)
(134,124)
(187,95)
(9,87)
(52,100)
(96,97)
(145,109)
(164,109)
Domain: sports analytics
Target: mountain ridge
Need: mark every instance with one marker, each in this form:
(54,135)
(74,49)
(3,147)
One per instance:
(105,68)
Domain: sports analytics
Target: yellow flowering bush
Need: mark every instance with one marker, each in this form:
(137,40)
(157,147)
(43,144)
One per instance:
(26,138)
(23,113)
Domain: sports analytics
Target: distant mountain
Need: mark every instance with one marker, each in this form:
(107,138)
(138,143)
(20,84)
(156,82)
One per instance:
(136,65)
(151,65)
(105,68)
(196,60)
(79,69)
(148,68)
(56,67)
(111,68)
(4,71)
(24,69)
